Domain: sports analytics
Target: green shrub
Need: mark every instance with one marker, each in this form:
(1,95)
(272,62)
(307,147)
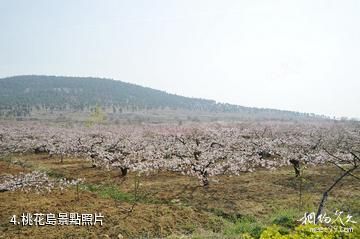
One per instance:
(285,220)
(306,231)
(245,226)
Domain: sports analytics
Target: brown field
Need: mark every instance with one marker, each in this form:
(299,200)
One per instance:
(168,204)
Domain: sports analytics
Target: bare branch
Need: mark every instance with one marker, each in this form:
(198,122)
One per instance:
(345,170)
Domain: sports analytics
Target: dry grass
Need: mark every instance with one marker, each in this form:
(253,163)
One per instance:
(168,203)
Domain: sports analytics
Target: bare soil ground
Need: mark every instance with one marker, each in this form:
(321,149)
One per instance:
(167,204)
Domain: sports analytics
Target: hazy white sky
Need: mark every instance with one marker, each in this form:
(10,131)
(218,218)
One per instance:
(293,55)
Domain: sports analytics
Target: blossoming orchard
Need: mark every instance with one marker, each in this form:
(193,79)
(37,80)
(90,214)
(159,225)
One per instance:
(199,150)
(228,175)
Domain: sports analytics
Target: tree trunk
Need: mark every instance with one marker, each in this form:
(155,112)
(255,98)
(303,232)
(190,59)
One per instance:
(321,206)
(296,164)
(326,193)
(205,182)
(124,171)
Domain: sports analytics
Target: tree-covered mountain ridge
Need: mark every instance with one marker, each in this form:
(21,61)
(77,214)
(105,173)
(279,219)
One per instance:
(21,95)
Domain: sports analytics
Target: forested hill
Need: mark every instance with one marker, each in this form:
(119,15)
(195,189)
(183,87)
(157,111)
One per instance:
(21,95)
(81,92)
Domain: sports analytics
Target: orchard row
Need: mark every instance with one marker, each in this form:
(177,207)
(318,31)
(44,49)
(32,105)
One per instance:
(200,150)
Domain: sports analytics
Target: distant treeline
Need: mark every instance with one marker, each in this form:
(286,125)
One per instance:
(22,95)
